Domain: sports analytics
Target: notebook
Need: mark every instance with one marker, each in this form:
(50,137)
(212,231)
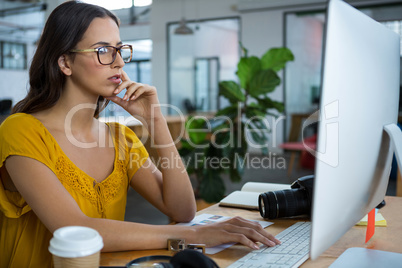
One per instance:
(247,197)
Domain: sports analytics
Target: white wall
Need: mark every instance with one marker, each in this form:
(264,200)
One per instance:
(13,84)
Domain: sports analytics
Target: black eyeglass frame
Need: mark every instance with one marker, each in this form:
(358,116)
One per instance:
(116,50)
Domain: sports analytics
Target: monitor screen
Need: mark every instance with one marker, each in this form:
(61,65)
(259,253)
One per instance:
(359,96)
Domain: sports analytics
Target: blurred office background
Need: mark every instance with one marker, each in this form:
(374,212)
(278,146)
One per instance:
(185,47)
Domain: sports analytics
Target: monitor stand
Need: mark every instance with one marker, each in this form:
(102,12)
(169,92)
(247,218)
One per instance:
(367,258)
(370,258)
(395,134)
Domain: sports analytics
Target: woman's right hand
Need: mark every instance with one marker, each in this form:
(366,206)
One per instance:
(236,230)
(140,100)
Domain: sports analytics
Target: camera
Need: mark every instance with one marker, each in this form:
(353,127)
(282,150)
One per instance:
(288,203)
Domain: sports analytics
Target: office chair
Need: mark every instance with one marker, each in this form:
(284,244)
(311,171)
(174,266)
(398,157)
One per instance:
(5,106)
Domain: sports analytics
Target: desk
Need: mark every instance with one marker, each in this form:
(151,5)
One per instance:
(385,238)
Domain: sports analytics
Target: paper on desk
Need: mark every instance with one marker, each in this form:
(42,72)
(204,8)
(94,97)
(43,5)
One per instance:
(204,219)
(379,220)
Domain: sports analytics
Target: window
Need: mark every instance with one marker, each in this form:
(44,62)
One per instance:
(303,36)
(196,65)
(142,3)
(112,5)
(13,56)
(206,84)
(139,69)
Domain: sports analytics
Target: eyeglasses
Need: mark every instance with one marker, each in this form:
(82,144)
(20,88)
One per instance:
(107,54)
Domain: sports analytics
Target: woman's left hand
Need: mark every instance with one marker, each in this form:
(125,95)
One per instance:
(140,100)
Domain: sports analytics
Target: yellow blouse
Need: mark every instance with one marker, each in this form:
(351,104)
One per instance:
(24,240)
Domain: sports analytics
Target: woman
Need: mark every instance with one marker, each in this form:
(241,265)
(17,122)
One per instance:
(60,166)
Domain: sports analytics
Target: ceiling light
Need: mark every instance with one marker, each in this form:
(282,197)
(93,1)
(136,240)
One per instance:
(183,28)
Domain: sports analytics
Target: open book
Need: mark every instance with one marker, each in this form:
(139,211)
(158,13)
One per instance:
(247,197)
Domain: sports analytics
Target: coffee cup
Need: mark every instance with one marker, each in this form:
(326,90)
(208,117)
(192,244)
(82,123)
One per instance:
(76,247)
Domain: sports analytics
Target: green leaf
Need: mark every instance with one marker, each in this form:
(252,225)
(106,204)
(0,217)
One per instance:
(185,145)
(196,129)
(240,141)
(252,112)
(267,103)
(258,131)
(263,82)
(239,164)
(258,123)
(246,69)
(212,188)
(213,155)
(279,106)
(185,148)
(231,91)
(230,111)
(253,104)
(194,160)
(276,58)
(235,176)
(227,151)
(221,127)
(259,136)
(239,147)
(223,140)
(264,150)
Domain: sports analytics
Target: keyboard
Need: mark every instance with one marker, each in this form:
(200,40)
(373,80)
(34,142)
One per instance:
(293,251)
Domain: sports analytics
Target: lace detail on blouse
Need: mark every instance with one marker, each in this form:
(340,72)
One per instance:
(99,194)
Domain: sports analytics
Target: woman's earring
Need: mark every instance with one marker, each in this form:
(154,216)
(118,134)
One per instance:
(62,64)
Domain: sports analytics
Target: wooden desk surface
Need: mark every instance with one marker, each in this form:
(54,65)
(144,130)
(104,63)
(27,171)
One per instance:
(385,238)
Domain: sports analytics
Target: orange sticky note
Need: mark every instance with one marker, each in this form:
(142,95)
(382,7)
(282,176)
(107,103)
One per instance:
(370,225)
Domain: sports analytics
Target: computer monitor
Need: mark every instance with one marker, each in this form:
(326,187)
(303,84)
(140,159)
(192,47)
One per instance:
(359,96)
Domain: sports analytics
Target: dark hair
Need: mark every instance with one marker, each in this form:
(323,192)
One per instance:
(64,28)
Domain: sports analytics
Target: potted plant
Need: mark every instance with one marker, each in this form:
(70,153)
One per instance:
(219,146)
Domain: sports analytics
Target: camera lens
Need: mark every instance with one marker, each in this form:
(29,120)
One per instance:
(284,203)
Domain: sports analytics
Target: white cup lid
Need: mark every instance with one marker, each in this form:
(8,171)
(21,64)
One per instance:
(75,241)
